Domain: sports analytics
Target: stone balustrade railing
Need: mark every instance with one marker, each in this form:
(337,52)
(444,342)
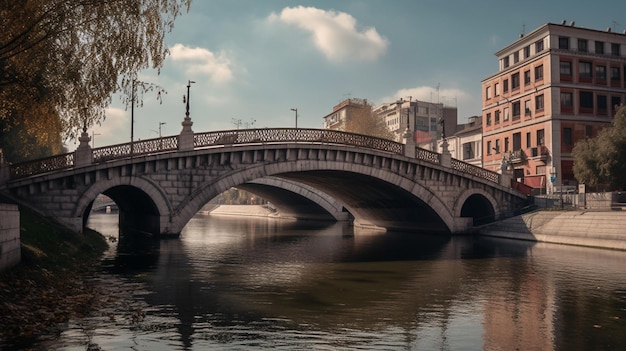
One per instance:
(240,137)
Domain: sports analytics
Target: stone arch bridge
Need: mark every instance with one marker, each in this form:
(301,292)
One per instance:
(159,184)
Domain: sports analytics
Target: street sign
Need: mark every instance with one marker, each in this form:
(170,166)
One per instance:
(552,179)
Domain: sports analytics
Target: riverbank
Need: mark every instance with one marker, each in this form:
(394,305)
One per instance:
(241,210)
(601,229)
(46,288)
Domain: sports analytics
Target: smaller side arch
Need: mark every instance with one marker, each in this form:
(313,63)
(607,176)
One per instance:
(152,190)
(477,204)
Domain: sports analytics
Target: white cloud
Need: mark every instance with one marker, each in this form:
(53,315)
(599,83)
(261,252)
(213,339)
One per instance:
(429,94)
(335,33)
(202,61)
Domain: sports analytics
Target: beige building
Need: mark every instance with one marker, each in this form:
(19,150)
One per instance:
(555,85)
(343,112)
(421,118)
(466,143)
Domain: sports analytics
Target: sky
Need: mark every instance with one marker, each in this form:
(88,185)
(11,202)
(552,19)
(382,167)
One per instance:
(254,61)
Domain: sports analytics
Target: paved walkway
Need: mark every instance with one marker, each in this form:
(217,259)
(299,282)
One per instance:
(241,210)
(605,229)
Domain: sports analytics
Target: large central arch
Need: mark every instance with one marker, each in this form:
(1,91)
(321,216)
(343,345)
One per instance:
(375,197)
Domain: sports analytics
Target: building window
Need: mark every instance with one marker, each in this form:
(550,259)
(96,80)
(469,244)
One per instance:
(539,102)
(468,151)
(497,89)
(506,113)
(488,93)
(505,62)
(516,110)
(599,47)
(527,52)
(582,45)
(505,85)
(615,102)
(489,147)
(566,100)
(584,70)
(515,81)
(566,68)
(567,136)
(601,73)
(538,46)
(496,117)
(601,101)
(526,77)
(538,73)
(527,108)
(615,49)
(564,43)
(541,137)
(506,144)
(615,74)
(528,144)
(488,119)
(497,148)
(586,100)
(517,141)
(515,57)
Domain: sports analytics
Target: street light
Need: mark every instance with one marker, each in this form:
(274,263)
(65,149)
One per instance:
(296,110)
(160,124)
(93,139)
(187,99)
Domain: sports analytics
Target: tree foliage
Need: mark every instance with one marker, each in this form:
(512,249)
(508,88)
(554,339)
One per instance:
(601,161)
(68,57)
(363,120)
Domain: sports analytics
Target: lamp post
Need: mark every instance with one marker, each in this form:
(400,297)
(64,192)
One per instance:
(93,139)
(296,110)
(160,124)
(187,99)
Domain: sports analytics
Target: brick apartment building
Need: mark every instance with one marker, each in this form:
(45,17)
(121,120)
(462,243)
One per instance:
(555,85)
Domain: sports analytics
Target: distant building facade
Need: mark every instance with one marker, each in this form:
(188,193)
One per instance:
(466,143)
(422,119)
(344,112)
(555,85)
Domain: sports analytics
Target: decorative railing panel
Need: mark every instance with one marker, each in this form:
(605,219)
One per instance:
(282,135)
(137,148)
(475,170)
(48,164)
(243,136)
(427,155)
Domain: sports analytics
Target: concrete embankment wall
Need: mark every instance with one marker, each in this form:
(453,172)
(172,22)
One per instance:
(604,229)
(10,251)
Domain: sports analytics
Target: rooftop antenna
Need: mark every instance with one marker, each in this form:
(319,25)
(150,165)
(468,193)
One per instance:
(523,32)
(437,92)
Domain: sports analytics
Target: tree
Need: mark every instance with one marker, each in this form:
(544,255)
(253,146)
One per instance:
(70,56)
(362,120)
(601,161)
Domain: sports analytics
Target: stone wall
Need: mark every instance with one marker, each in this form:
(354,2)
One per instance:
(604,229)
(10,252)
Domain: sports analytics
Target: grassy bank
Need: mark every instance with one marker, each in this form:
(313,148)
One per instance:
(45,289)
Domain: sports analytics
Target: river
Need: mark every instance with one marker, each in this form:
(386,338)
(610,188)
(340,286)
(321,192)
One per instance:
(258,284)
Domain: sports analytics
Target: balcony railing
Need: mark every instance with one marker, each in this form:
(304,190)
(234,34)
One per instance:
(518,156)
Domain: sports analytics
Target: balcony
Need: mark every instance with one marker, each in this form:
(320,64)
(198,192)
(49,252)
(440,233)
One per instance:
(517,156)
(539,153)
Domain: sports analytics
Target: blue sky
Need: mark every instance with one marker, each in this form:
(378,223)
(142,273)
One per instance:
(253,61)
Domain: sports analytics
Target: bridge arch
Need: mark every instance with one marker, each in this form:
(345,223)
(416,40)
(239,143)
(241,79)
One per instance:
(478,204)
(141,202)
(382,198)
(297,200)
